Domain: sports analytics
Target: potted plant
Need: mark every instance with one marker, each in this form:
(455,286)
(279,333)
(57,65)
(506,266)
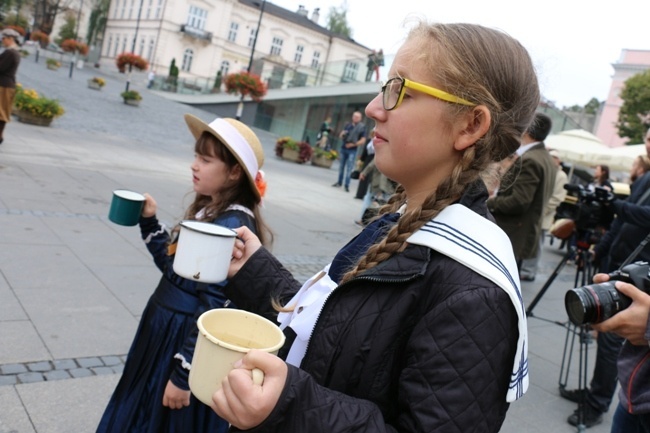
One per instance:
(245,84)
(30,107)
(71,45)
(40,37)
(131,97)
(324,158)
(53,64)
(291,150)
(96,83)
(135,61)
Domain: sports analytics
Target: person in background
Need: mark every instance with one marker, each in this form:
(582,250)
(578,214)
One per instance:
(404,330)
(323,134)
(153,393)
(529,266)
(371,65)
(151,77)
(379,63)
(380,189)
(353,136)
(367,155)
(601,178)
(9,61)
(523,193)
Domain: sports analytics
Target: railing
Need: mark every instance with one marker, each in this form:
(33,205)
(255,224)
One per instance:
(196,33)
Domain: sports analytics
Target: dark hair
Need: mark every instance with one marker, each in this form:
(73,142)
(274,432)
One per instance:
(481,65)
(238,193)
(540,127)
(604,173)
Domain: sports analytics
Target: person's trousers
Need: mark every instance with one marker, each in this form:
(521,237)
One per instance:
(604,380)
(529,266)
(624,422)
(346,165)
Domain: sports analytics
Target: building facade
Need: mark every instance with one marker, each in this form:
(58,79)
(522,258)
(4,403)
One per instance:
(205,37)
(630,63)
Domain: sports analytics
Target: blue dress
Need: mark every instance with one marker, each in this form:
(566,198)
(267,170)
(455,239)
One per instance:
(167,330)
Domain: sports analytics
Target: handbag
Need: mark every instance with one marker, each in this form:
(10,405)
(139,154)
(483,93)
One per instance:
(355,174)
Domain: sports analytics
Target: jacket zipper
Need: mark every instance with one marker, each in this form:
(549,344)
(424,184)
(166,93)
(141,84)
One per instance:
(632,377)
(371,279)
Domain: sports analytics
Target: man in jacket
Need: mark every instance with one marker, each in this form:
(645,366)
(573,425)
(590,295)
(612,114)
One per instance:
(353,136)
(525,189)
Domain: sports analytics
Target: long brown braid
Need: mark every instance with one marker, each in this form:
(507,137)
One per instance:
(481,65)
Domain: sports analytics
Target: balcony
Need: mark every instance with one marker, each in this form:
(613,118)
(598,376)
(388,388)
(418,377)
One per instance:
(196,33)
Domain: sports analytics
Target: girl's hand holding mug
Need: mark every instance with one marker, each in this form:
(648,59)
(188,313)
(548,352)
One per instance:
(243,403)
(150,206)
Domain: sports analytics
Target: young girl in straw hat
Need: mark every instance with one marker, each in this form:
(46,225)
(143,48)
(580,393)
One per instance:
(418,324)
(153,393)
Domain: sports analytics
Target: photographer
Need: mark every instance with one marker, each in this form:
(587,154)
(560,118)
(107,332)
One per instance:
(633,411)
(631,225)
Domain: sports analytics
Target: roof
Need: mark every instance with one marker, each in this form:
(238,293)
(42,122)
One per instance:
(296,18)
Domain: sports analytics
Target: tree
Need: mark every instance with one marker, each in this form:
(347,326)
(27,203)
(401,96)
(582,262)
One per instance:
(337,21)
(634,115)
(67,30)
(97,21)
(45,12)
(592,106)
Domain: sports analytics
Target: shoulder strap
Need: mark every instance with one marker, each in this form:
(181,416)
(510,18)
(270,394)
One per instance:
(482,246)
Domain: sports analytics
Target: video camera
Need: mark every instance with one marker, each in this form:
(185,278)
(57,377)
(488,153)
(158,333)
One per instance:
(592,210)
(595,303)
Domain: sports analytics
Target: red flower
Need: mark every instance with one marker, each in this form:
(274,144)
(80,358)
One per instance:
(245,84)
(134,60)
(70,45)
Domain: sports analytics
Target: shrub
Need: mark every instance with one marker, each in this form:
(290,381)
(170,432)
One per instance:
(125,59)
(53,62)
(131,94)
(100,81)
(30,101)
(328,154)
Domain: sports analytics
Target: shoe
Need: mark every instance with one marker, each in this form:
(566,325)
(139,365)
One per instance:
(347,189)
(591,417)
(526,278)
(574,395)
(359,223)
(336,184)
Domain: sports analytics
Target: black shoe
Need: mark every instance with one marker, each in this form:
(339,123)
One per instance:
(336,184)
(574,395)
(347,189)
(591,417)
(526,278)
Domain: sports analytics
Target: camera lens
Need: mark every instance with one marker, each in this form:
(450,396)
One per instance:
(594,303)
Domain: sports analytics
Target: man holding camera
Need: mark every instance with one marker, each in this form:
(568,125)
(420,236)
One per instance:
(631,225)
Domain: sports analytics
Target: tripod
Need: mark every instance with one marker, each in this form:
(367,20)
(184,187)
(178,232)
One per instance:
(579,245)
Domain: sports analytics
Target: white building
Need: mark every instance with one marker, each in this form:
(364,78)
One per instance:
(207,36)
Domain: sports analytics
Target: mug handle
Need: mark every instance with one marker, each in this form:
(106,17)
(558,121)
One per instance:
(258,376)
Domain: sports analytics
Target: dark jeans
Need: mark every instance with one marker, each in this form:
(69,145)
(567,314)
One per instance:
(625,422)
(346,164)
(603,382)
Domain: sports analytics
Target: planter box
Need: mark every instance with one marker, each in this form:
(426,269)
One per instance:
(94,85)
(321,161)
(133,102)
(291,155)
(52,67)
(26,117)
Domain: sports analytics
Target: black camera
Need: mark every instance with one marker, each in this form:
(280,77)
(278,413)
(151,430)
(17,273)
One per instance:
(596,303)
(592,209)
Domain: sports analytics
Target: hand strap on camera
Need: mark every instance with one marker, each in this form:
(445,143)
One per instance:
(480,245)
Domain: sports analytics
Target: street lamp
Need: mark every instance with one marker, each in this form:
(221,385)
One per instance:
(76,35)
(240,106)
(135,38)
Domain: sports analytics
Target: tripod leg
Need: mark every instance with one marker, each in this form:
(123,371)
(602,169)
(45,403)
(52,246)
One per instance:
(547,284)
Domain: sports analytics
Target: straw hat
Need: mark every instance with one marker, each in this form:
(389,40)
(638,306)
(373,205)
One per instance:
(239,139)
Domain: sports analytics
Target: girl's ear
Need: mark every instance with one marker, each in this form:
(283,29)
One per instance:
(473,125)
(235,172)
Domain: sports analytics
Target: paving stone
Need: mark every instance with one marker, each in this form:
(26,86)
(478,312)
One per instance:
(118,368)
(102,370)
(30,377)
(8,380)
(64,364)
(111,360)
(80,372)
(39,366)
(13,369)
(56,375)
(90,362)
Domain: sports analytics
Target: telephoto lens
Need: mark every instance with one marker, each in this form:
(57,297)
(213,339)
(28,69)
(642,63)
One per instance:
(594,303)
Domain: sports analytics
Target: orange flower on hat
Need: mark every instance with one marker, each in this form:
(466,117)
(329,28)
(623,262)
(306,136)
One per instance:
(260,183)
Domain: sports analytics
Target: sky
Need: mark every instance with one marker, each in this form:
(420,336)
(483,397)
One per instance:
(573,43)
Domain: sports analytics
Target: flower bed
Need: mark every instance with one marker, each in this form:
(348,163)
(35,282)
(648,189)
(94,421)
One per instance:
(30,107)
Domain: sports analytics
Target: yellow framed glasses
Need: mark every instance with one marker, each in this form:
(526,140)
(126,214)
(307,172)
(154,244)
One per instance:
(393,93)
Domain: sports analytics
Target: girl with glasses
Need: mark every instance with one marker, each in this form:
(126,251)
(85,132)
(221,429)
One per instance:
(417,324)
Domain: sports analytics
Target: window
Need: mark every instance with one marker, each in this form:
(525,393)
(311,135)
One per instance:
(251,37)
(141,53)
(232,34)
(124,43)
(159,8)
(187,60)
(123,11)
(315,60)
(117,7)
(196,17)
(298,56)
(107,53)
(149,7)
(150,53)
(276,46)
(131,8)
(350,71)
(117,45)
(225,67)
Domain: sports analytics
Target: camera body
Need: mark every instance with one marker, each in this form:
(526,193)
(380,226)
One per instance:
(595,303)
(592,209)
